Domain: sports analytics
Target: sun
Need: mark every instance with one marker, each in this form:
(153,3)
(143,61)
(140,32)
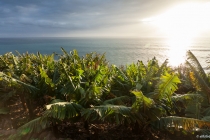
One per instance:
(177,50)
(181,24)
(186,20)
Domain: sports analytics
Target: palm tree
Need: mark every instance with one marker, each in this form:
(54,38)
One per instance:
(87,89)
(195,103)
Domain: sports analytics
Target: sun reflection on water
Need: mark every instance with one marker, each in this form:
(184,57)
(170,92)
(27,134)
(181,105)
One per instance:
(177,50)
(181,24)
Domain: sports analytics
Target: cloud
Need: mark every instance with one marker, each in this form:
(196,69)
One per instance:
(29,18)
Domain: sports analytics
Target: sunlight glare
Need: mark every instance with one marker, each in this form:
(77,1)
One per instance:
(184,20)
(181,24)
(177,50)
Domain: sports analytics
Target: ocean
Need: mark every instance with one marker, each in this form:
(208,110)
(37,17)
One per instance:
(118,51)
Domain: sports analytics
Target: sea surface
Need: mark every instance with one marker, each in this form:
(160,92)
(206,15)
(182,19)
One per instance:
(118,51)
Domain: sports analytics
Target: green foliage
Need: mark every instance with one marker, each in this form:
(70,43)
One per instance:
(88,88)
(35,125)
(189,103)
(63,110)
(15,82)
(167,86)
(117,100)
(4,111)
(174,123)
(194,105)
(142,103)
(112,113)
(194,64)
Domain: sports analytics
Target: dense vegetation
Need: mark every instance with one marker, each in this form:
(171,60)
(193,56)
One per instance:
(86,98)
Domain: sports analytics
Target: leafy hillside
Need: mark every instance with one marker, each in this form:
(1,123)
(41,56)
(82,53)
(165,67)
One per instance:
(87,98)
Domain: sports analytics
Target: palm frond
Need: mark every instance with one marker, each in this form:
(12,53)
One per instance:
(111,113)
(199,80)
(193,110)
(206,118)
(152,68)
(206,111)
(174,123)
(87,102)
(18,53)
(203,133)
(197,66)
(186,98)
(63,110)
(117,100)
(26,86)
(167,86)
(33,126)
(142,102)
(56,111)
(69,77)
(64,51)
(146,107)
(56,76)
(44,75)
(142,68)
(162,67)
(56,101)
(189,102)
(121,73)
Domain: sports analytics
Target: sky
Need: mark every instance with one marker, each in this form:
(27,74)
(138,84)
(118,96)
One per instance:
(102,18)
